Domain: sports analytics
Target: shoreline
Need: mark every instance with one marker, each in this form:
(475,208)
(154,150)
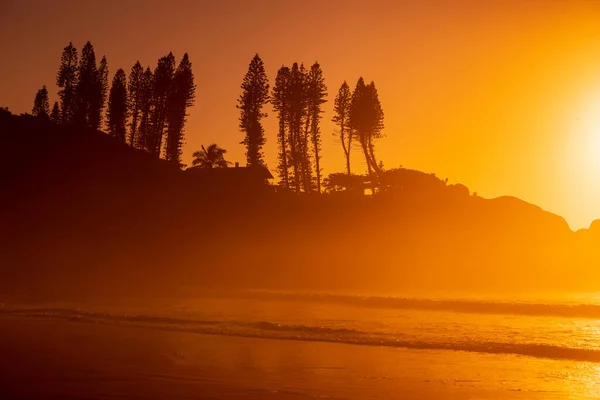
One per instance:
(65,359)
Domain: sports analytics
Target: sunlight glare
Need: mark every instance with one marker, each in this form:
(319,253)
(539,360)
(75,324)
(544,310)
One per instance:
(589,141)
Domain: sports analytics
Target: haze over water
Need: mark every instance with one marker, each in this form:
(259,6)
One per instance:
(340,346)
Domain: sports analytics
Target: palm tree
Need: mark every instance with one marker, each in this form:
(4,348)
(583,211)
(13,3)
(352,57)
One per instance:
(211,157)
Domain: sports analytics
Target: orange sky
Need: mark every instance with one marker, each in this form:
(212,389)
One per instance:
(503,96)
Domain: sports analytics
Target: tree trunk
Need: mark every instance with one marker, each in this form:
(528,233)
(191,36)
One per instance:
(306,167)
(372,156)
(370,168)
(134,122)
(366,153)
(294,149)
(317,167)
(283,152)
(347,151)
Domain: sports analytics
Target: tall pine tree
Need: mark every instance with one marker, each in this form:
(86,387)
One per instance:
(117,106)
(296,116)
(67,81)
(55,113)
(376,124)
(366,121)
(41,104)
(134,100)
(280,102)
(255,94)
(142,140)
(342,120)
(163,75)
(316,97)
(181,96)
(305,147)
(98,95)
(87,88)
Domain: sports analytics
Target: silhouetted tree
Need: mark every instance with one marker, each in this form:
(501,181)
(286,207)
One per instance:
(134,100)
(181,96)
(297,98)
(366,120)
(163,75)
(41,104)
(211,157)
(304,138)
(358,111)
(296,116)
(376,118)
(98,95)
(255,94)
(342,120)
(117,106)
(87,87)
(316,93)
(145,99)
(55,113)
(66,80)
(280,102)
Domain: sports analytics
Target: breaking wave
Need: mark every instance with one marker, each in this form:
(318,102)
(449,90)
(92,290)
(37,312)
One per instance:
(568,310)
(274,330)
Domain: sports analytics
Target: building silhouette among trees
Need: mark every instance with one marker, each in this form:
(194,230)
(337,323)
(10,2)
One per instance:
(239,180)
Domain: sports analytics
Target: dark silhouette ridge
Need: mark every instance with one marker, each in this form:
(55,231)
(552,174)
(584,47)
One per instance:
(83,214)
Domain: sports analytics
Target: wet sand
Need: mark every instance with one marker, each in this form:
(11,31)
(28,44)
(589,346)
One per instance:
(50,359)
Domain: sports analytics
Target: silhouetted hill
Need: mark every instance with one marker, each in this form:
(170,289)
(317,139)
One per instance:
(82,214)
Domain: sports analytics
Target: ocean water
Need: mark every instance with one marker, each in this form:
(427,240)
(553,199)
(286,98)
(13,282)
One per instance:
(547,345)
